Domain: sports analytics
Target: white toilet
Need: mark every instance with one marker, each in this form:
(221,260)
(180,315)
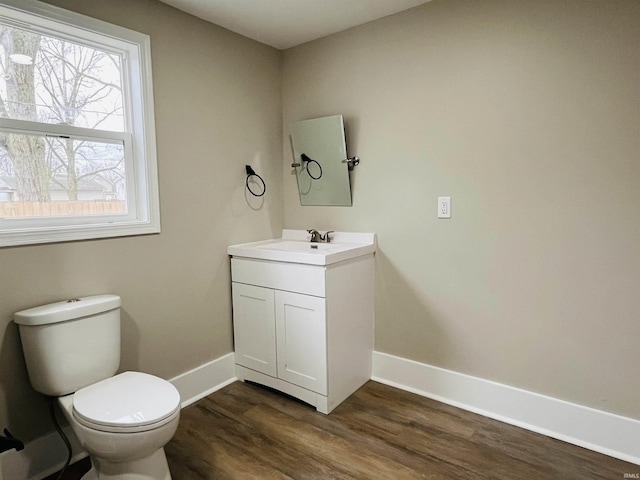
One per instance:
(72,351)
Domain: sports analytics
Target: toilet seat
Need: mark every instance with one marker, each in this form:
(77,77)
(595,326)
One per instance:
(127,403)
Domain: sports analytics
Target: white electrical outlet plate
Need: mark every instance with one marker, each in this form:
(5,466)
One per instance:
(444,207)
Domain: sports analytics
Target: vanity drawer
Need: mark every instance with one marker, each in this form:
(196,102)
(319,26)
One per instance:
(292,277)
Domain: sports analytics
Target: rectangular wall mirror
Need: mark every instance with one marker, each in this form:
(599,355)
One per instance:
(320,160)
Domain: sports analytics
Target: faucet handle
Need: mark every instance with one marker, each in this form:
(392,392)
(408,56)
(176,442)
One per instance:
(326,238)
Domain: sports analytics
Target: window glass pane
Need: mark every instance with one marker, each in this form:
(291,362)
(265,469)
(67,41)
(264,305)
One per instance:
(53,80)
(42,176)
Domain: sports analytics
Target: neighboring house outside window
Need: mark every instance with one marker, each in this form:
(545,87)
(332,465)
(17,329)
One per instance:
(77,135)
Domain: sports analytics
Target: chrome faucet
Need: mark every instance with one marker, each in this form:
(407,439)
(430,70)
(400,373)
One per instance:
(317,237)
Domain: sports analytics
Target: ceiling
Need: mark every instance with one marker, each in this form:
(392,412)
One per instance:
(287,23)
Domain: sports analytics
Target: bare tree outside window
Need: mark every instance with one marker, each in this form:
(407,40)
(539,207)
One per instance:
(55,81)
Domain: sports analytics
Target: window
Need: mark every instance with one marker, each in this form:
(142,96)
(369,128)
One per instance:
(77,133)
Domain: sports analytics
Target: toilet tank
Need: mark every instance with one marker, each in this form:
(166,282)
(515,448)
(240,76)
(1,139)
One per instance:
(71,344)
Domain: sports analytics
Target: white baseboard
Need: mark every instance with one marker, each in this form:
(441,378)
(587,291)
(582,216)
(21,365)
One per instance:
(46,455)
(205,379)
(593,429)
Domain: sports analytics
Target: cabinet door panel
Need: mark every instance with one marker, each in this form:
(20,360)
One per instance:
(301,340)
(254,328)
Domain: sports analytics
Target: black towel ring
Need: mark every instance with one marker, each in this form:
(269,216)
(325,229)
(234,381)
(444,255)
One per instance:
(305,158)
(252,173)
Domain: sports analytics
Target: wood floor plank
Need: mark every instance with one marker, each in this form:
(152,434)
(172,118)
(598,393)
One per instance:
(359,424)
(328,448)
(239,432)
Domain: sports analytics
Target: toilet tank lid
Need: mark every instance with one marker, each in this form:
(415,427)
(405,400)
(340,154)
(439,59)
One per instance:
(67,310)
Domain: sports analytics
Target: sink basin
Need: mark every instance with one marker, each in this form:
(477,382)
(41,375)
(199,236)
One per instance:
(295,247)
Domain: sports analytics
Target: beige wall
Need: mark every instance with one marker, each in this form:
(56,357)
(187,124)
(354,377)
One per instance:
(527,114)
(218,107)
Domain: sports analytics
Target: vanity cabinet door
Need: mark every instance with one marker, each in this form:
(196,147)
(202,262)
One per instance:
(301,340)
(254,328)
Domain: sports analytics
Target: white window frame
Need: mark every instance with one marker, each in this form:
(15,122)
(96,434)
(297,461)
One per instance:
(139,140)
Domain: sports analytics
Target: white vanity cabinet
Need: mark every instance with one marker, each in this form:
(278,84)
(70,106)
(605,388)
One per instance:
(306,330)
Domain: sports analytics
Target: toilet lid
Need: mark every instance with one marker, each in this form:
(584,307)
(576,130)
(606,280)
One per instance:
(128,401)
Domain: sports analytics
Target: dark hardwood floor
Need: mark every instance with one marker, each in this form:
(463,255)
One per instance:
(245,431)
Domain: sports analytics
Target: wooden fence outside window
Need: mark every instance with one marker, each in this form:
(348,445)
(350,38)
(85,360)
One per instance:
(62,208)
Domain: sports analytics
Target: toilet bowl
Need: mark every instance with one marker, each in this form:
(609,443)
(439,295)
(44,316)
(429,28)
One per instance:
(72,351)
(124,422)
(123,418)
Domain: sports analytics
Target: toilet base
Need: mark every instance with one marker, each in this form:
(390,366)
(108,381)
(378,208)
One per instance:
(153,467)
